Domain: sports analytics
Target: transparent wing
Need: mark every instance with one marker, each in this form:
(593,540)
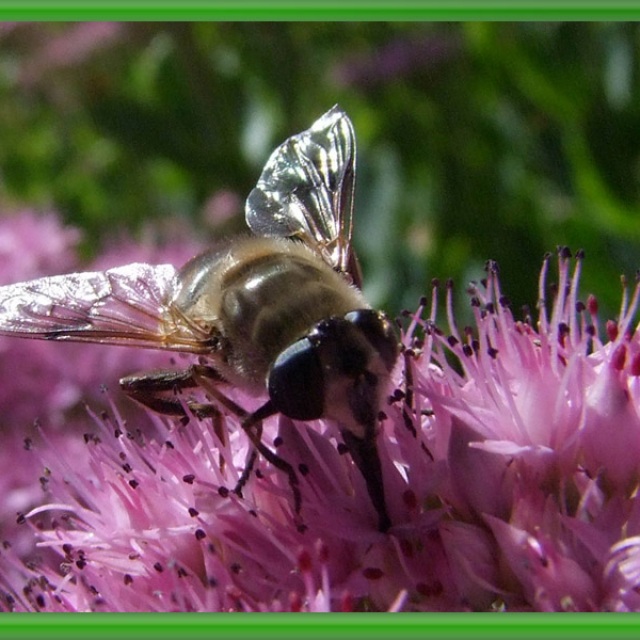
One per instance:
(127,305)
(306,190)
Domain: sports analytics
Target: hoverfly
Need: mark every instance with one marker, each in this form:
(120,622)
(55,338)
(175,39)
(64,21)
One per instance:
(279,311)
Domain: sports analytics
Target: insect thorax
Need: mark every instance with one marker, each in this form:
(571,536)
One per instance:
(262,294)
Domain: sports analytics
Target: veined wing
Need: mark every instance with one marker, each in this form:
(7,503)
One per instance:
(306,190)
(129,305)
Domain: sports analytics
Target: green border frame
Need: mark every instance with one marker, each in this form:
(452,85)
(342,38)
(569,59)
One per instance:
(319,9)
(440,625)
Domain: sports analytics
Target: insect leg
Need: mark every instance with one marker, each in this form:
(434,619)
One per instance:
(156,390)
(251,424)
(246,472)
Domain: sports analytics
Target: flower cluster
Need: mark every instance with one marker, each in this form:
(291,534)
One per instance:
(510,457)
(39,381)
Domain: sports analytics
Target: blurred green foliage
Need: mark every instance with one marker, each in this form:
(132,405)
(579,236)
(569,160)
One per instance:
(475,141)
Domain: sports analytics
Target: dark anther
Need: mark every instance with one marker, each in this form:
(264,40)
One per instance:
(373,573)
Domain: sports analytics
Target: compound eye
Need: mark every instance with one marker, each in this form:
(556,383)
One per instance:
(379,332)
(296,383)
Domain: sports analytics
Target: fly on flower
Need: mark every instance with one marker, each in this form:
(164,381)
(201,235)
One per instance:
(277,312)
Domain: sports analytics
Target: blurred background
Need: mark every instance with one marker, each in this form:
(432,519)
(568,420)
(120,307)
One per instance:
(475,140)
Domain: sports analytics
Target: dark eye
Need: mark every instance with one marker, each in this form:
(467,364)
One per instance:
(296,383)
(379,331)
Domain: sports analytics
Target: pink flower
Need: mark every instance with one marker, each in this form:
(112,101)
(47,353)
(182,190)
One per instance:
(34,245)
(539,431)
(509,457)
(39,382)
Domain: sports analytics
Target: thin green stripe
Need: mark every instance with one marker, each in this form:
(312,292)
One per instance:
(320,626)
(322,4)
(310,15)
(318,9)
